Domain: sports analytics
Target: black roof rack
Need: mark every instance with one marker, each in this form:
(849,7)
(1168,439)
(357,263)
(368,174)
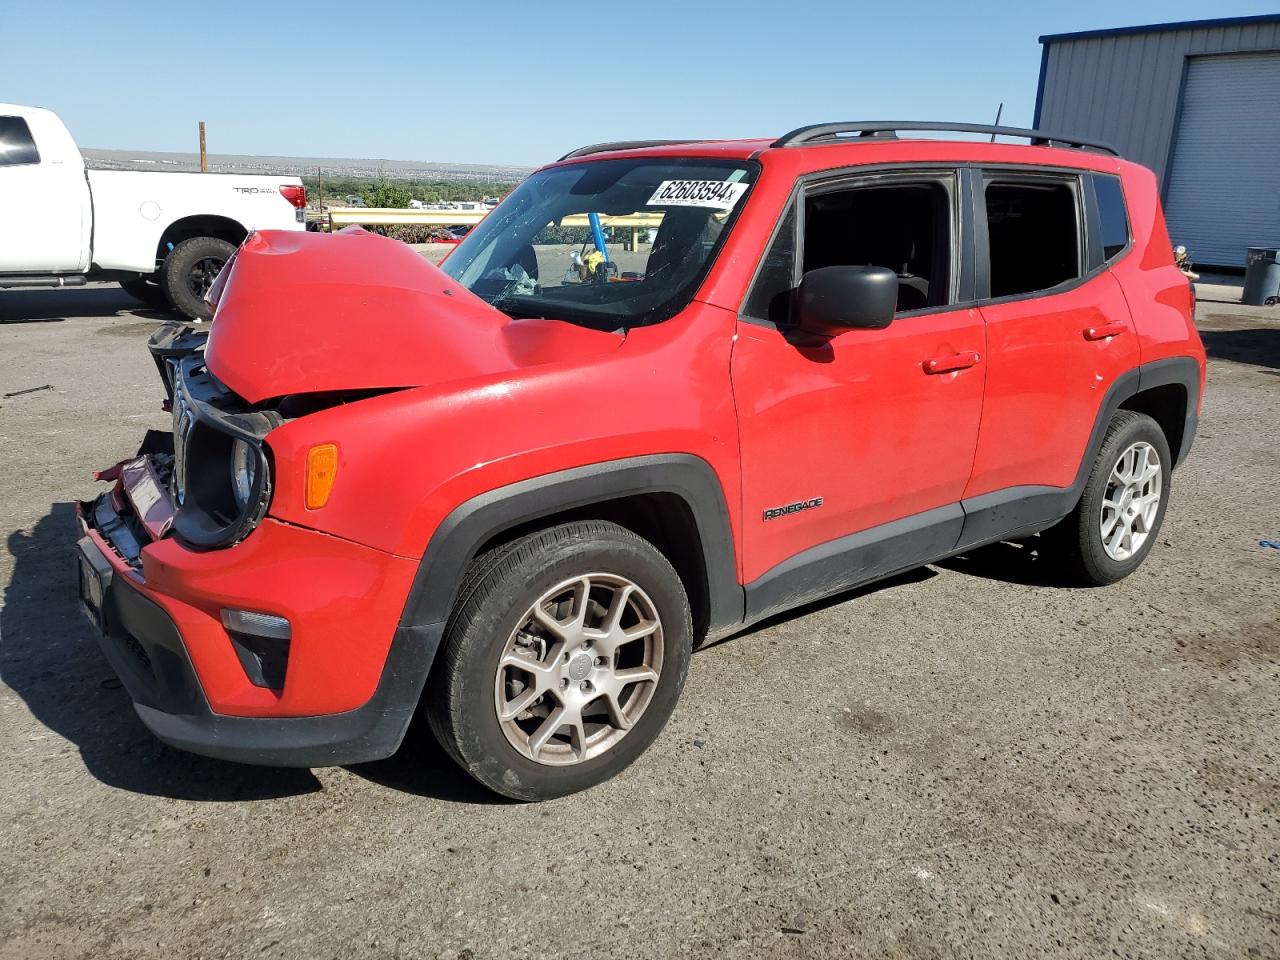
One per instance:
(621,145)
(826,132)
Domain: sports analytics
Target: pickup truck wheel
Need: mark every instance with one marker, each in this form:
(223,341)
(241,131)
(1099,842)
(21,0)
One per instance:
(562,661)
(189,272)
(148,291)
(1116,523)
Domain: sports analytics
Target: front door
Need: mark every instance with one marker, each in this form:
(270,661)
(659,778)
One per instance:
(856,449)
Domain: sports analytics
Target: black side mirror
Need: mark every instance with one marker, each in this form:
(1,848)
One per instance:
(832,299)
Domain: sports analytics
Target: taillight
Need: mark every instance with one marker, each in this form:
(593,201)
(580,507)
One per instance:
(295,194)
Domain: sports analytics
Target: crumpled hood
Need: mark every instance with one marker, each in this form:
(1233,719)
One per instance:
(310,312)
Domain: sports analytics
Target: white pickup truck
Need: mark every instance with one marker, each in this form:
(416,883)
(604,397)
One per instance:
(163,236)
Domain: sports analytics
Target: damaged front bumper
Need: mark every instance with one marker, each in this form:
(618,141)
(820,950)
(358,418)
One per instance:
(350,677)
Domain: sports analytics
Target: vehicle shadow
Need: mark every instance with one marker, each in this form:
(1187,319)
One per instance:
(918,575)
(1020,563)
(42,305)
(50,658)
(422,767)
(1259,346)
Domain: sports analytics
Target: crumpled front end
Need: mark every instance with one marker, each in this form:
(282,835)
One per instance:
(238,635)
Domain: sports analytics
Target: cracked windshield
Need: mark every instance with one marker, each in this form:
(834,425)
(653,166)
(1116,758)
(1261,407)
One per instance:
(607,244)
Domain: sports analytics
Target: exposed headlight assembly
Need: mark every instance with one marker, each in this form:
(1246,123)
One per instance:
(222,467)
(244,471)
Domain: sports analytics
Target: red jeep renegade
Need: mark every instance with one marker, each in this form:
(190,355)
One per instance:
(663,391)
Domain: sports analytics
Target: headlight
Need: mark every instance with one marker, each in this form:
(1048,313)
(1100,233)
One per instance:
(244,468)
(222,465)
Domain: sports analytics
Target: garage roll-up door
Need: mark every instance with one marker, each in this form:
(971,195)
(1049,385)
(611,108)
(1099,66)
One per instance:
(1224,182)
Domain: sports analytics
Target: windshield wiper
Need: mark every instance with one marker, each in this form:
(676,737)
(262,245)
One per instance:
(507,305)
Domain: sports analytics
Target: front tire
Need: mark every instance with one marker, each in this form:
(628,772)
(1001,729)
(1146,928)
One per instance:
(562,661)
(190,270)
(1119,515)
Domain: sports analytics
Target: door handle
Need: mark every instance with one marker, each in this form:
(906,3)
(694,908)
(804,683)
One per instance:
(1104,330)
(959,361)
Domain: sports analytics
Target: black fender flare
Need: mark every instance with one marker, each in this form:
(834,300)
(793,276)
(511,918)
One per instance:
(472,523)
(1184,371)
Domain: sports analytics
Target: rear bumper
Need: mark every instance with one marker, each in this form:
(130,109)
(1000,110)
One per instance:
(354,673)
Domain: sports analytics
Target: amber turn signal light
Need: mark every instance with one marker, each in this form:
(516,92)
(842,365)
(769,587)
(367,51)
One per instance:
(322,469)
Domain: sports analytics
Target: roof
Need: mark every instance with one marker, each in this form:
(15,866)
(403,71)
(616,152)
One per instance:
(729,149)
(1162,27)
(853,151)
(826,136)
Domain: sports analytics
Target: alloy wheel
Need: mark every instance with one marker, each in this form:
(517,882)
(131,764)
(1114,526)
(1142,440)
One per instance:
(202,274)
(1131,501)
(579,670)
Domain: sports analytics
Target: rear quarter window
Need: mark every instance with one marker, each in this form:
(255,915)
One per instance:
(17,146)
(1112,215)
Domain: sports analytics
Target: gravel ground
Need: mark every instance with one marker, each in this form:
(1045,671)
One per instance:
(968,761)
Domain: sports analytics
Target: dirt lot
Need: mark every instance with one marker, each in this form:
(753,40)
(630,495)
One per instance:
(969,761)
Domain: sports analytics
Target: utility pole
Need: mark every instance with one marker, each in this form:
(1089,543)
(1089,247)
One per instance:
(204,159)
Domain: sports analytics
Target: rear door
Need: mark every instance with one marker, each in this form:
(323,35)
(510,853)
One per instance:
(1059,332)
(45,214)
(856,448)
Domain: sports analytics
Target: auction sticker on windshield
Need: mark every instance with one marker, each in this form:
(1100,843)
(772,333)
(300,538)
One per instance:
(716,194)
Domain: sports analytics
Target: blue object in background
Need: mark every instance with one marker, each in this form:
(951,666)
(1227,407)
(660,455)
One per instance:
(597,234)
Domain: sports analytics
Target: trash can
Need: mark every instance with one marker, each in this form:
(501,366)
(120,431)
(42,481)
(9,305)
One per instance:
(1262,277)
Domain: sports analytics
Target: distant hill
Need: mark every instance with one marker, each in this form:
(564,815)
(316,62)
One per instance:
(298,166)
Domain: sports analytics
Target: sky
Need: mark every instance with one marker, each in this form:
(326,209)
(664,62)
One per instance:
(523,83)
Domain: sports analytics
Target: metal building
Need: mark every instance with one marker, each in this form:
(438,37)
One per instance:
(1198,103)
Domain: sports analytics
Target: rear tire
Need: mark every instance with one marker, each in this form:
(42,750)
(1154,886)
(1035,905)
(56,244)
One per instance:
(189,271)
(541,690)
(1118,518)
(147,290)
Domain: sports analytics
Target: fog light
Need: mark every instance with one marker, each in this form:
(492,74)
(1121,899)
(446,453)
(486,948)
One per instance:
(257,624)
(261,642)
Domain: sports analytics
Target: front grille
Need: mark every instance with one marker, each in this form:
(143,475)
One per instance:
(183,422)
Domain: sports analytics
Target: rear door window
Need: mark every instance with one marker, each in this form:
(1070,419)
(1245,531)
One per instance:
(1033,233)
(16,143)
